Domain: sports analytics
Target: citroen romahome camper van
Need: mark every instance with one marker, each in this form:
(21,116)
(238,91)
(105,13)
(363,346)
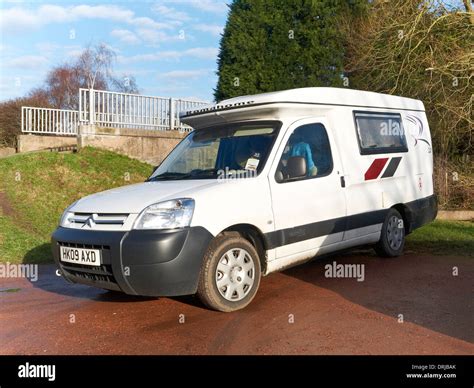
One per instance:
(262,183)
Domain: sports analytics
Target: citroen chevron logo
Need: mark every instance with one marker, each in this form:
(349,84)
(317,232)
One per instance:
(90,222)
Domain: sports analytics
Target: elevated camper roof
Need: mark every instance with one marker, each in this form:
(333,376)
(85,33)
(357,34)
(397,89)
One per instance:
(268,104)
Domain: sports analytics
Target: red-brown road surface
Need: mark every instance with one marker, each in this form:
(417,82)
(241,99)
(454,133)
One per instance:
(331,316)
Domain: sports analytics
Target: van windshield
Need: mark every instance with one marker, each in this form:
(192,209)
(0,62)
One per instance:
(229,151)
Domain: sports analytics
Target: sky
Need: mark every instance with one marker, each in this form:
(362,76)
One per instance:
(170,47)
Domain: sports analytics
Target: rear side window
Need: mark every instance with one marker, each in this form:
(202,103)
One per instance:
(380,132)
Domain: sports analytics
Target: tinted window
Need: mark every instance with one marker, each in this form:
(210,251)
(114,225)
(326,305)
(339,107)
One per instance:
(308,144)
(380,132)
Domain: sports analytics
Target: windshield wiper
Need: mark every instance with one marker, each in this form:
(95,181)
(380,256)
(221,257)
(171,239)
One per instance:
(201,173)
(194,174)
(168,176)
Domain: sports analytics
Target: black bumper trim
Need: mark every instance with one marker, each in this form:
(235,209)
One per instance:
(148,262)
(421,211)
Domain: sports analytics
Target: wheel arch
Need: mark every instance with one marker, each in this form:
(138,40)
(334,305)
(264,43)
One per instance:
(406,214)
(255,236)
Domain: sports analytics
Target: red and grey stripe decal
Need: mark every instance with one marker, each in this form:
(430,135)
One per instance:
(378,165)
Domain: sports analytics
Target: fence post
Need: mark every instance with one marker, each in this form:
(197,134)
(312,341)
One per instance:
(171,113)
(91,107)
(81,107)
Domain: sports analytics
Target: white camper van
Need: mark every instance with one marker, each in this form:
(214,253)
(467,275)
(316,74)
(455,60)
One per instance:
(263,182)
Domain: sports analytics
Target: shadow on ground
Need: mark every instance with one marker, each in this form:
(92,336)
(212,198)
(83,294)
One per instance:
(421,287)
(40,254)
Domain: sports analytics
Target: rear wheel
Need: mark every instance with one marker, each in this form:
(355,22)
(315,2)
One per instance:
(392,238)
(230,275)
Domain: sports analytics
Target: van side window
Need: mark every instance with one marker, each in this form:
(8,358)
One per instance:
(306,155)
(380,133)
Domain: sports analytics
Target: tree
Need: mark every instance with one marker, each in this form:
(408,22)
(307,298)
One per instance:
(125,84)
(275,44)
(423,50)
(93,69)
(418,49)
(94,65)
(10,115)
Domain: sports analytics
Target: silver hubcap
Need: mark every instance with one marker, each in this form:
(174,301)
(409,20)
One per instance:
(235,274)
(395,232)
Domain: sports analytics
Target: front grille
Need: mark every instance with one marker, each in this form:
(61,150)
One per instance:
(86,246)
(97,221)
(102,274)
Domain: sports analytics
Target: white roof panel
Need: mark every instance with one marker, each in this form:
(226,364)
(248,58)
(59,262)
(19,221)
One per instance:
(316,96)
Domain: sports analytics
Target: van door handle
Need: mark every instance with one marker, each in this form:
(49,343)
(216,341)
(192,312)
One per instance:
(343,182)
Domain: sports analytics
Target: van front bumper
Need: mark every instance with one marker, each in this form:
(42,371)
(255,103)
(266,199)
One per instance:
(137,262)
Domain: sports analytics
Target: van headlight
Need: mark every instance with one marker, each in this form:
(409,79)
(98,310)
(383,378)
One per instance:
(65,220)
(67,215)
(176,213)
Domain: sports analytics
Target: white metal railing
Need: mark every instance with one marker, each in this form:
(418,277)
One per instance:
(49,121)
(124,110)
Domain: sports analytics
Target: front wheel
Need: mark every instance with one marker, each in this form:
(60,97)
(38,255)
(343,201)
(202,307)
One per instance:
(392,238)
(230,275)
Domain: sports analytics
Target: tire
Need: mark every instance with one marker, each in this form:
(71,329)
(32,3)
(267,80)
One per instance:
(392,237)
(229,287)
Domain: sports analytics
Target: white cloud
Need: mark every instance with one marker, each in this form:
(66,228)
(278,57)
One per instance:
(197,52)
(185,74)
(211,28)
(47,47)
(125,36)
(146,22)
(217,6)
(27,62)
(196,98)
(214,6)
(153,36)
(202,52)
(74,53)
(17,19)
(111,12)
(171,13)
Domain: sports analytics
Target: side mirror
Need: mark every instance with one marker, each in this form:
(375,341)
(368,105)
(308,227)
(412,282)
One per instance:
(279,176)
(296,167)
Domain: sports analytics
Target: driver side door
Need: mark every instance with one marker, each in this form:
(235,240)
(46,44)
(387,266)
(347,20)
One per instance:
(309,208)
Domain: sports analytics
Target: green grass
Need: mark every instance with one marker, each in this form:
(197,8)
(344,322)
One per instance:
(444,237)
(39,186)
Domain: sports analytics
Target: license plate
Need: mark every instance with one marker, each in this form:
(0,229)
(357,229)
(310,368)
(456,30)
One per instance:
(80,256)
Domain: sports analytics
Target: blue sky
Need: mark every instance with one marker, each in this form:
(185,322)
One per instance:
(169,46)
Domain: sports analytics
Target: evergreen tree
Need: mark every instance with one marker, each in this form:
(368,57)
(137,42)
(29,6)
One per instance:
(271,45)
